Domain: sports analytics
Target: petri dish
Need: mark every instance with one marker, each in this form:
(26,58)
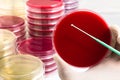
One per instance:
(44,5)
(69,1)
(28,67)
(41,32)
(40,27)
(76,48)
(48,21)
(21,38)
(14,29)
(47,60)
(72,5)
(12,21)
(49,71)
(36,46)
(71,10)
(42,24)
(7,49)
(36,36)
(45,15)
(19,33)
(45,57)
(39,10)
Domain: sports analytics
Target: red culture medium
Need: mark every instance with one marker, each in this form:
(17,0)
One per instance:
(75,47)
(11,21)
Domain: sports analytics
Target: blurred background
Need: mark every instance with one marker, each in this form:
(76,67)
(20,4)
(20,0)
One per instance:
(109,9)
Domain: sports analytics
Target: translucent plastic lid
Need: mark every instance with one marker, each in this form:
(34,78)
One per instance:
(44,4)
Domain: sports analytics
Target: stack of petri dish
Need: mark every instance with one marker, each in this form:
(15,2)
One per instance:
(7,43)
(71,5)
(21,67)
(13,7)
(14,24)
(42,16)
(42,48)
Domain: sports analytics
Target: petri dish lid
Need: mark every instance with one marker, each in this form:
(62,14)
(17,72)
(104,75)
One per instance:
(76,48)
(44,4)
(12,21)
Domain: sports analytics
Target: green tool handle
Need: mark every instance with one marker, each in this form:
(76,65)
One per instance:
(98,40)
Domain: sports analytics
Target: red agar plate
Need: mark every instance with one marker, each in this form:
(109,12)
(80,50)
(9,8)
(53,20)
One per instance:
(45,4)
(36,46)
(76,48)
(11,21)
